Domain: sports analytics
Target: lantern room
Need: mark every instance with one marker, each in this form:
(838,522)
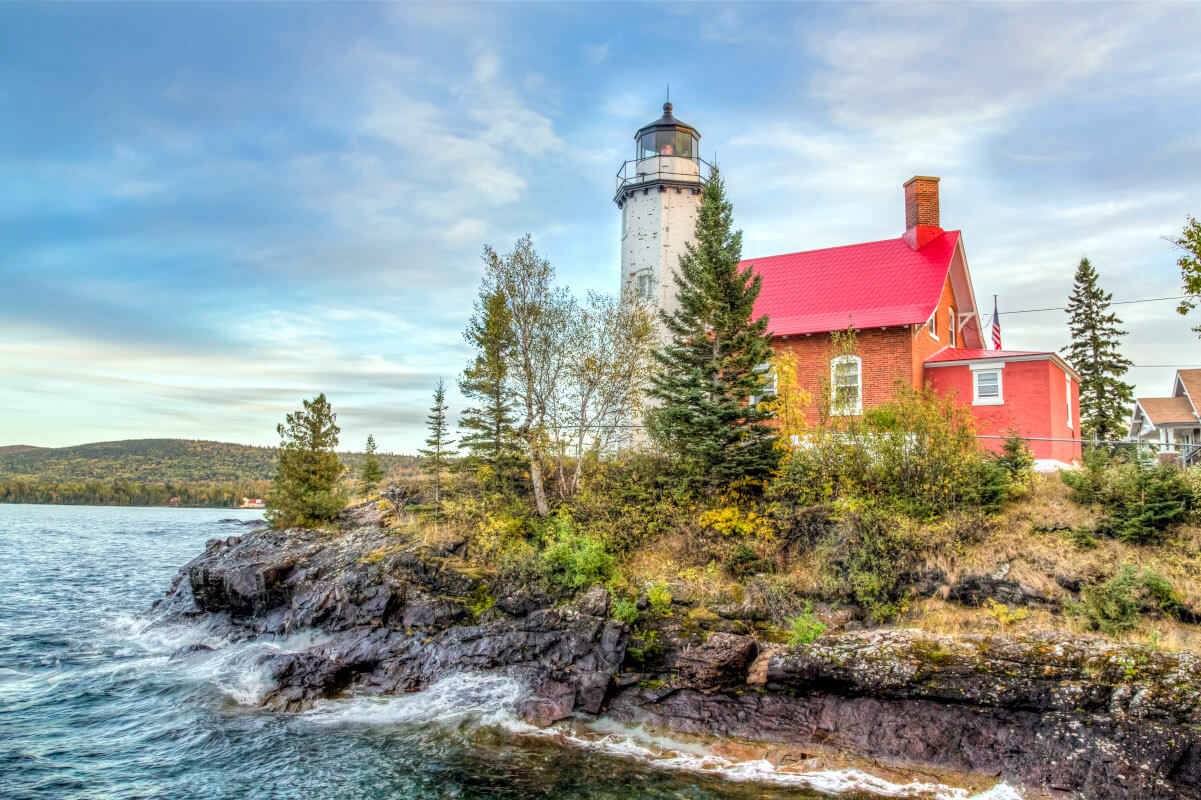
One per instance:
(667,136)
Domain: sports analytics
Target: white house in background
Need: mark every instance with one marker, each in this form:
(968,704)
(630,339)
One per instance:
(1171,421)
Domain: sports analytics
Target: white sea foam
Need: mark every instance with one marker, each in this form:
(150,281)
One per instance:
(479,699)
(237,669)
(488,700)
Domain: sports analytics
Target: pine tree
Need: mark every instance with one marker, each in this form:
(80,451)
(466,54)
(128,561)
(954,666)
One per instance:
(371,473)
(490,438)
(712,362)
(306,490)
(434,455)
(1105,398)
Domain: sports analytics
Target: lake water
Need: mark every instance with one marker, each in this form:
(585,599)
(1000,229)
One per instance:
(93,704)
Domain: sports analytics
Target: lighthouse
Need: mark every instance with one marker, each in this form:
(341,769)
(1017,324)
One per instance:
(659,193)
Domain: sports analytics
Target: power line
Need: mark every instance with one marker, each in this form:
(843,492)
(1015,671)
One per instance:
(1115,303)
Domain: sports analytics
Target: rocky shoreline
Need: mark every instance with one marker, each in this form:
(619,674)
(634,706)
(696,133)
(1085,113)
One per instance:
(1054,715)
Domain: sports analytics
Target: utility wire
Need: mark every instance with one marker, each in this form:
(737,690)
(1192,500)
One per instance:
(1114,303)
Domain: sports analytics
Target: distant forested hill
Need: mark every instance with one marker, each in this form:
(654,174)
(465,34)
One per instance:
(163,461)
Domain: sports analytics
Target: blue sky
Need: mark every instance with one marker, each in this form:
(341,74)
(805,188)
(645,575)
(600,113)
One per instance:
(211,211)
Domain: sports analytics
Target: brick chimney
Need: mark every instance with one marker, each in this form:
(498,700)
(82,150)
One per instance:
(921,211)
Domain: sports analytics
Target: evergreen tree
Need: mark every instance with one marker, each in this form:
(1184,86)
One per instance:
(371,473)
(306,490)
(434,456)
(1190,265)
(711,364)
(1105,398)
(490,438)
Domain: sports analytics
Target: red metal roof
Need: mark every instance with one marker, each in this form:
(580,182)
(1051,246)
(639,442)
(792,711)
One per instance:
(870,285)
(965,354)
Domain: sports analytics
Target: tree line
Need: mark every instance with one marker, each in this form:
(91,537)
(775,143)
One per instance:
(127,493)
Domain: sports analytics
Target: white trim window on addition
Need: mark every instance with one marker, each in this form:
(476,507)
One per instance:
(987,387)
(1067,385)
(846,383)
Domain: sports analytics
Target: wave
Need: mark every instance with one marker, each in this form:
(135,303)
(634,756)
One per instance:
(467,701)
(201,654)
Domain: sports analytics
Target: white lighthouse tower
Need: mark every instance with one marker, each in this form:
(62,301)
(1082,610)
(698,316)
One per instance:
(659,192)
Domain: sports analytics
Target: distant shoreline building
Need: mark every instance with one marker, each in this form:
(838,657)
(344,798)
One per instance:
(910,301)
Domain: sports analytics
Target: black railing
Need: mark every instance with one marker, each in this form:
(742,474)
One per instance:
(638,172)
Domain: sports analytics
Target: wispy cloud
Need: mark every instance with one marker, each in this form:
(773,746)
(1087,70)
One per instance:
(203,225)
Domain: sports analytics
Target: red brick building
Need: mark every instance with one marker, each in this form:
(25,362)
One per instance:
(911,303)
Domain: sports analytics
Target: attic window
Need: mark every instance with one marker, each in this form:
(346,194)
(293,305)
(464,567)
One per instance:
(951,326)
(932,324)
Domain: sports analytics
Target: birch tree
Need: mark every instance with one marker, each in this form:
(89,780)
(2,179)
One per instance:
(539,315)
(609,362)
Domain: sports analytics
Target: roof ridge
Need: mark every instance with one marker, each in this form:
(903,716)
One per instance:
(845,246)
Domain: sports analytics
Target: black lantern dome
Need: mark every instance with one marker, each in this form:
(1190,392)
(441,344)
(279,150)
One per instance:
(667,136)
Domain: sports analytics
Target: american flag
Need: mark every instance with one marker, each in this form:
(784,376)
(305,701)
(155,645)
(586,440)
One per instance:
(996,326)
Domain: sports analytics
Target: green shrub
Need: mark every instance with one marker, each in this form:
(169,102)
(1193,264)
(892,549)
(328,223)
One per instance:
(917,453)
(1114,606)
(1162,592)
(1016,459)
(645,648)
(864,559)
(624,610)
(573,560)
(744,561)
(629,499)
(804,628)
(1141,498)
(659,597)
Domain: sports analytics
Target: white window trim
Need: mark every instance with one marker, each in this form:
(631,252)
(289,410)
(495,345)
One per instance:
(1067,382)
(999,400)
(951,332)
(932,325)
(846,411)
(771,389)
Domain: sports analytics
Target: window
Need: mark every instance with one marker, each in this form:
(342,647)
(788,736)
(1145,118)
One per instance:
(646,145)
(770,388)
(951,326)
(987,387)
(1067,386)
(644,284)
(932,324)
(846,384)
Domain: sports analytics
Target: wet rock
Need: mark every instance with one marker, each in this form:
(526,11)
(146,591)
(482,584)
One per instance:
(720,661)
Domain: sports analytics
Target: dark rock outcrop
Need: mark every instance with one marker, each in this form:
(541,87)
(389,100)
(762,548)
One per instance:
(399,615)
(1048,712)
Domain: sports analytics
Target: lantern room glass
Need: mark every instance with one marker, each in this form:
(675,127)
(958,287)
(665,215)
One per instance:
(667,142)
